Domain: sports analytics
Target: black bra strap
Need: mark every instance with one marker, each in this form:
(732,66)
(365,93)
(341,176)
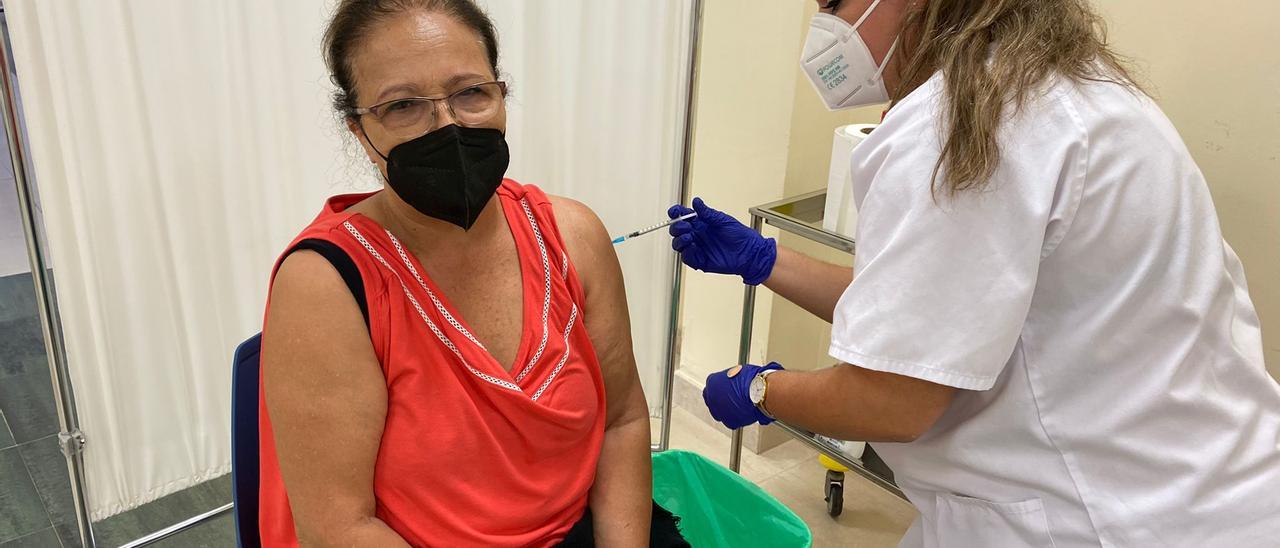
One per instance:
(345,267)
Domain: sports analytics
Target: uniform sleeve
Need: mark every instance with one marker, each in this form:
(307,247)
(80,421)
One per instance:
(943,285)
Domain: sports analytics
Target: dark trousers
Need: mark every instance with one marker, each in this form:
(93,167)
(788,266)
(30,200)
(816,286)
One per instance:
(663,531)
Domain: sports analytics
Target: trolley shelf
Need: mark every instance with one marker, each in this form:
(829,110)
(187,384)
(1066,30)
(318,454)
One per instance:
(800,215)
(837,455)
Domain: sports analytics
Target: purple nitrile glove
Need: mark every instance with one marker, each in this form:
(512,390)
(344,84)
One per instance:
(716,242)
(729,398)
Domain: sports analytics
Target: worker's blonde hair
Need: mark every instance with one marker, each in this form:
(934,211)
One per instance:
(994,55)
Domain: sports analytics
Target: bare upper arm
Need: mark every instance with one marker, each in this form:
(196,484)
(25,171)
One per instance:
(325,396)
(606,316)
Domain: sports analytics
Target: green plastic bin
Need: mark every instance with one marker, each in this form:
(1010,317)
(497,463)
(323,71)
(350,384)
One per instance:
(718,508)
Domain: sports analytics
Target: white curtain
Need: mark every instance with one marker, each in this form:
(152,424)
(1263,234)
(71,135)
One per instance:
(598,115)
(179,146)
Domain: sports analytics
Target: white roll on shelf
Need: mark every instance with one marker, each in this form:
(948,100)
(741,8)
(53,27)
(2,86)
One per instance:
(841,214)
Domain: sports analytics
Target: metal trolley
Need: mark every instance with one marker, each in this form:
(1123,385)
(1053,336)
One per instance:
(802,216)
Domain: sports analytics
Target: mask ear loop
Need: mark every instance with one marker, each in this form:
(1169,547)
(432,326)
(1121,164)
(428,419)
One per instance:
(866,14)
(375,149)
(885,64)
(365,134)
(853,29)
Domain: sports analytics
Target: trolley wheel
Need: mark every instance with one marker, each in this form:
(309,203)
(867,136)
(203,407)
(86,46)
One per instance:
(835,500)
(834,492)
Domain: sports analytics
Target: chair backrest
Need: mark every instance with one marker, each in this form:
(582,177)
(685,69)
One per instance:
(245,368)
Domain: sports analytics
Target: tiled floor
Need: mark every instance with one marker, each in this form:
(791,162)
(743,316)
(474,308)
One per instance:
(218,533)
(792,474)
(154,516)
(36,508)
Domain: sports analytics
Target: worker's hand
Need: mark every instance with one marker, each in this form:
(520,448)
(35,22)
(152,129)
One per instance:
(716,242)
(728,396)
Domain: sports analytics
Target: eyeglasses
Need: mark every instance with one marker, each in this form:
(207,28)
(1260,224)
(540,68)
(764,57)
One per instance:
(409,117)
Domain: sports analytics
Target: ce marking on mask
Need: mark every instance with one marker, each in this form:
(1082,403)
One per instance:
(833,73)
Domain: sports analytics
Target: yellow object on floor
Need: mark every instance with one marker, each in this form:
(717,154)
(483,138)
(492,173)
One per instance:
(831,464)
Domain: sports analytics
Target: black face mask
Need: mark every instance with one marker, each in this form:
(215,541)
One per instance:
(451,173)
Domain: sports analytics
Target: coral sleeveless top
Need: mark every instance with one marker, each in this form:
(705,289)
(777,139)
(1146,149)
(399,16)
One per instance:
(471,454)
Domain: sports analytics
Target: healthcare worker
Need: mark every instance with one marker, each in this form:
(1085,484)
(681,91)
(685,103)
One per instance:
(1044,334)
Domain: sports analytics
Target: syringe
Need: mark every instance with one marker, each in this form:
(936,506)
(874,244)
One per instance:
(643,231)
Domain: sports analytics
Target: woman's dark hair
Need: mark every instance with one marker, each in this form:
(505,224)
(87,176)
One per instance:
(353,19)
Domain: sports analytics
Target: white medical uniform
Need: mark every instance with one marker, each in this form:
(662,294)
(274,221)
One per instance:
(1110,360)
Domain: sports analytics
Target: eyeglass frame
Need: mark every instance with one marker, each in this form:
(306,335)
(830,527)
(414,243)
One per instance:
(359,112)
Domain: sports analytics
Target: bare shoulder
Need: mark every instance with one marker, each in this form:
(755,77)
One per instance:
(312,315)
(576,218)
(304,272)
(308,283)
(580,227)
(585,239)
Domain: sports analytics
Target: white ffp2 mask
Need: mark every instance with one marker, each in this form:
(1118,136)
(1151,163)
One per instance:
(840,66)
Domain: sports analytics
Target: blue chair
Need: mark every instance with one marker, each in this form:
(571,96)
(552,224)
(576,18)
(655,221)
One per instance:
(245,367)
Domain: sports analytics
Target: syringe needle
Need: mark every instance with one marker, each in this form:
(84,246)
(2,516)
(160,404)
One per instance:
(647,230)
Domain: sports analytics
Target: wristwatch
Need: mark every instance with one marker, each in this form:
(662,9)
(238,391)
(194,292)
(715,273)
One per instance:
(759,389)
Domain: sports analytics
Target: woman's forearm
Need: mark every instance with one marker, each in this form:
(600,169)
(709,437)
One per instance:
(366,532)
(622,497)
(851,403)
(811,284)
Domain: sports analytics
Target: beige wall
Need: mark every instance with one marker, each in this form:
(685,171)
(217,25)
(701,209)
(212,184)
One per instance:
(799,339)
(1215,69)
(746,82)
(761,133)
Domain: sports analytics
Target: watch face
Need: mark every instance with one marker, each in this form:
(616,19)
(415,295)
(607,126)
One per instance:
(757,389)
